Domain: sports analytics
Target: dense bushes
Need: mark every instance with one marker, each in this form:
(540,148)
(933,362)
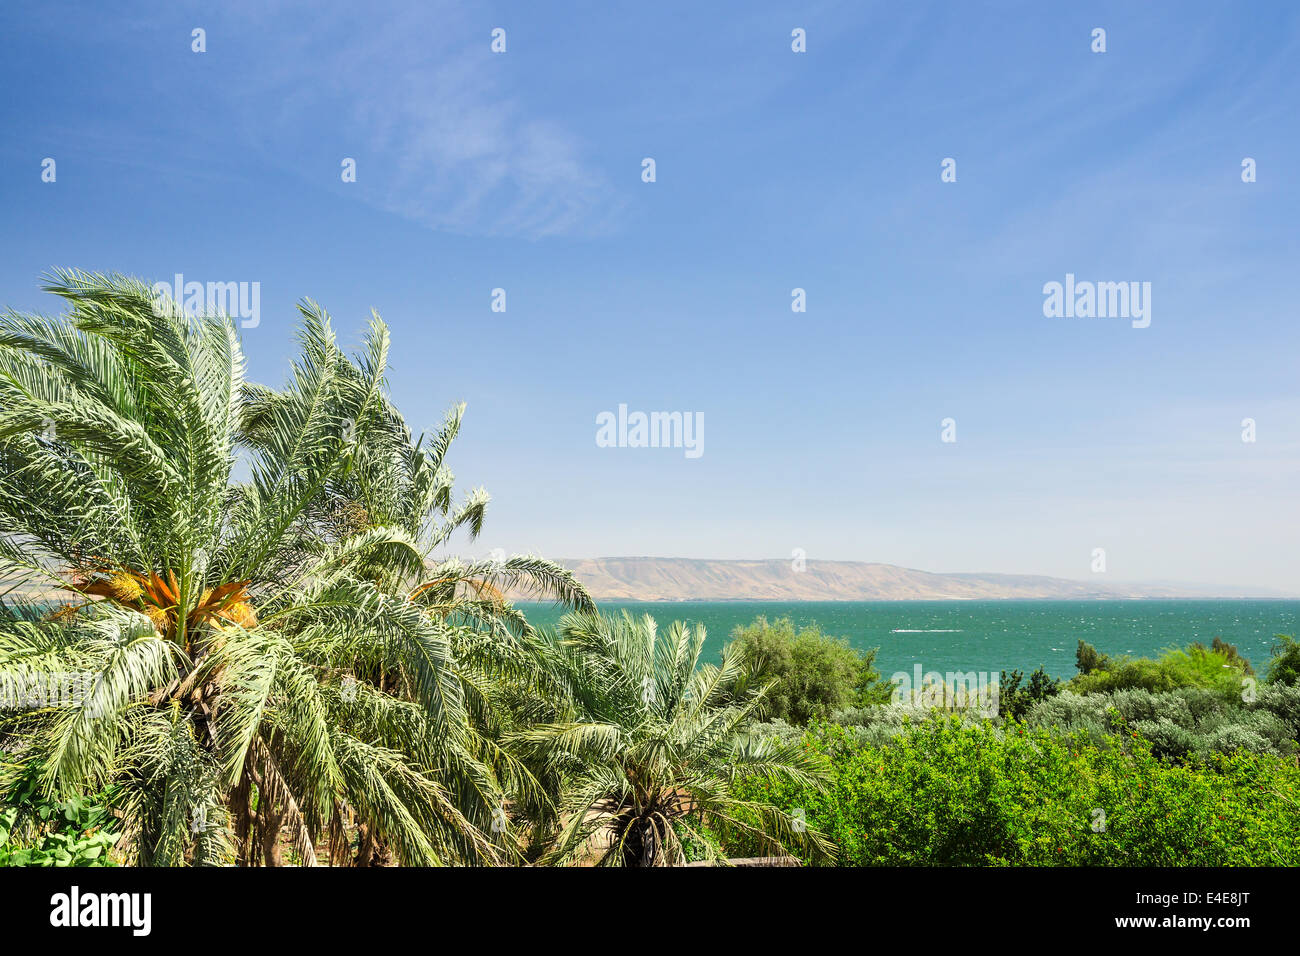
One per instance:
(1219,667)
(1184,760)
(816,674)
(948,791)
(38,831)
(1187,703)
(1285,666)
(1182,723)
(1178,724)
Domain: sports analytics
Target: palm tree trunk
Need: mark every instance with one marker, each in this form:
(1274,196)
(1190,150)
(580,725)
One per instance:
(242,817)
(271,850)
(371,849)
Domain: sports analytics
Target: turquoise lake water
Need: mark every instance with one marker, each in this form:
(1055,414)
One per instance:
(990,636)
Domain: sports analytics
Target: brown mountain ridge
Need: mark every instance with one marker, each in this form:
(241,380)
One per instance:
(694,579)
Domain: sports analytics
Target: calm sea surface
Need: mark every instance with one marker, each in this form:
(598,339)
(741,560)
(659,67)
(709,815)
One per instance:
(990,635)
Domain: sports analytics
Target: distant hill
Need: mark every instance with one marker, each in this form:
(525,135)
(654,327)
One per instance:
(688,579)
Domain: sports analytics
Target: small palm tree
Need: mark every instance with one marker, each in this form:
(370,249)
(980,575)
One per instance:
(650,744)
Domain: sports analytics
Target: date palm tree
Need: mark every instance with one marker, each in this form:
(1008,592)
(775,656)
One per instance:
(650,743)
(395,482)
(260,657)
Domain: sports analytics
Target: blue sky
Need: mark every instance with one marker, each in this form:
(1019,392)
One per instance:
(775,170)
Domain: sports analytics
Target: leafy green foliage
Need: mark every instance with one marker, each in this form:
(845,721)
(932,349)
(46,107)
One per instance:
(1220,646)
(1088,659)
(1219,668)
(1284,668)
(37,831)
(1182,723)
(815,675)
(946,792)
(1179,723)
(1014,701)
(1135,762)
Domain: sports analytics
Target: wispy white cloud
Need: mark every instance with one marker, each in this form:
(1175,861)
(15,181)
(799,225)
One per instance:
(447,136)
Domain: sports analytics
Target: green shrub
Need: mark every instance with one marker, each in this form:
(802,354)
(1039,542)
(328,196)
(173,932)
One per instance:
(1283,702)
(1220,646)
(38,831)
(1180,723)
(816,675)
(1284,668)
(948,792)
(1088,659)
(1220,669)
(1014,701)
(1168,739)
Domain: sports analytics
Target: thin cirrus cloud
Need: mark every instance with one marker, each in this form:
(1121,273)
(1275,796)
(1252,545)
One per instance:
(438,125)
